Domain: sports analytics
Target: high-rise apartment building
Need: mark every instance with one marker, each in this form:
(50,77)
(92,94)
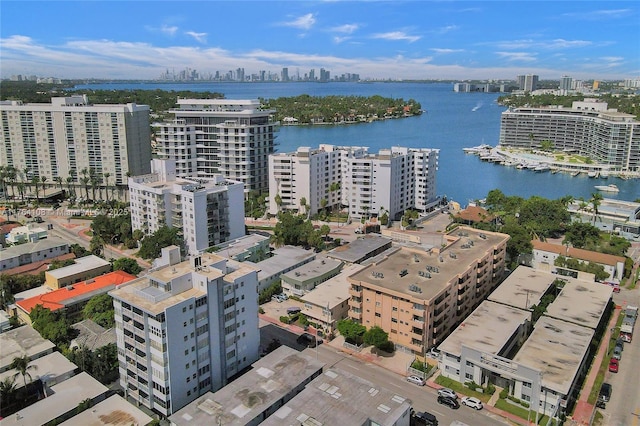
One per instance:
(233,138)
(207,211)
(69,135)
(588,128)
(390,182)
(528,82)
(418,297)
(565,84)
(185,329)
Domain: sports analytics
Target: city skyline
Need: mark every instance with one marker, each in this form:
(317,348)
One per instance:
(377,40)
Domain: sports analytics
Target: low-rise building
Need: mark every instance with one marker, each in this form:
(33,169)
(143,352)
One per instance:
(282,260)
(83,269)
(50,369)
(254,396)
(73,297)
(616,216)
(26,234)
(113,411)
(92,336)
(24,254)
(340,398)
(22,341)
(361,249)
(5,323)
(418,297)
(251,247)
(539,361)
(545,254)
(61,404)
(328,303)
(305,278)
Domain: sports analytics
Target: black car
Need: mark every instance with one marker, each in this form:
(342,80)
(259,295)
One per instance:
(449,402)
(424,419)
(605,392)
(307,340)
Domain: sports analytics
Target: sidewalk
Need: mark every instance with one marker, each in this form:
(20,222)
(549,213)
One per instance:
(583,412)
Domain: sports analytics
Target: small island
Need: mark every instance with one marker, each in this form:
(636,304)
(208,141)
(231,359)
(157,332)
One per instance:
(306,109)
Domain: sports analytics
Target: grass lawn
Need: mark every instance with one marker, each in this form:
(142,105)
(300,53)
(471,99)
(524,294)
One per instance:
(460,388)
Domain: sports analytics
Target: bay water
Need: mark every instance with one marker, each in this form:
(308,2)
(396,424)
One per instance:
(452,121)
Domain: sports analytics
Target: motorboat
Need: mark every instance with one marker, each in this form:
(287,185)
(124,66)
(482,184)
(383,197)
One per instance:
(607,188)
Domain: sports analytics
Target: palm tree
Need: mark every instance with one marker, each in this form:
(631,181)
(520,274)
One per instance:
(12,175)
(85,181)
(596,200)
(303,204)
(69,181)
(58,180)
(7,391)
(21,364)
(107,175)
(35,180)
(43,179)
(278,201)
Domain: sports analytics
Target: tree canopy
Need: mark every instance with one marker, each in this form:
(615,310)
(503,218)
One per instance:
(127,265)
(152,245)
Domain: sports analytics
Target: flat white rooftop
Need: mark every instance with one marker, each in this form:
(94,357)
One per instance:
(113,411)
(283,259)
(46,368)
(557,349)
(339,398)
(242,401)
(22,341)
(581,302)
(333,291)
(523,288)
(63,398)
(82,264)
(313,269)
(487,329)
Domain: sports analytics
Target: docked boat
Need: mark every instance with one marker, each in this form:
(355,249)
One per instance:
(542,168)
(576,173)
(607,188)
(592,174)
(477,149)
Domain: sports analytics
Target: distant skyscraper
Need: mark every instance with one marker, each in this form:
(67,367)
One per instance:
(565,83)
(285,74)
(528,82)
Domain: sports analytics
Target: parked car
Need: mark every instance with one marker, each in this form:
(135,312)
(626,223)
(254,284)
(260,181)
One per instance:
(617,353)
(293,310)
(309,340)
(449,402)
(613,365)
(472,402)
(446,392)
(605,392)
(416,380)
(433,353)
(424,419)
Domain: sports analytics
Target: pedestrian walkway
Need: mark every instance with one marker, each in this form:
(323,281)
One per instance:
(494,398)
(583,412)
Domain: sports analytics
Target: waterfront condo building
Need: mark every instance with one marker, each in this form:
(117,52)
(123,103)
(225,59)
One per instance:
(608,137)
(229,137)
(61,139)
(185,329)
(208,211)
(390,182)
(418,297)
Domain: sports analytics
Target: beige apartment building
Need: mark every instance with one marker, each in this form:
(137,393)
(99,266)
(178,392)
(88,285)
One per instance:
(419,296)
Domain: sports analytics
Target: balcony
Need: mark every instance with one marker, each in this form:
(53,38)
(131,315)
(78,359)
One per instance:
(356,316)
(354,304)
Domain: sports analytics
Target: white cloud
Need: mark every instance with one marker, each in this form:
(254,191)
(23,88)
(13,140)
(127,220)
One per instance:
(170,30)
(439,50)
(397,35)
(338,39)
(446,29)
(517,56)
(599,14)
(304,22)
(200,37)
(345,29)
(558,43)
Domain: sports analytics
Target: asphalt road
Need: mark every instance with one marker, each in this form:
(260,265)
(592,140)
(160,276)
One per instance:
(624,407)
(423,398)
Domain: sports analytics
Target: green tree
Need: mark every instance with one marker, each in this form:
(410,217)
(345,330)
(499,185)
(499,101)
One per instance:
(351,330)
(79,251)
(152,245)
(128,265)
(580,234)
(377,337)
(8,395)
(596,200)
(100,309)
(22,365)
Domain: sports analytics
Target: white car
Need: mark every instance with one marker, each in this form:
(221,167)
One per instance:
(472,402)
(448,393)
(416,380)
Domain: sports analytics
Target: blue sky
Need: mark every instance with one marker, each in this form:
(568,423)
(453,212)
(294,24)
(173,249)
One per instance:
(376,39)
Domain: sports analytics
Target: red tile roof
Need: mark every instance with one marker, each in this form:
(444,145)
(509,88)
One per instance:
(475,214)
(576,253)
(58,299)
(37,267)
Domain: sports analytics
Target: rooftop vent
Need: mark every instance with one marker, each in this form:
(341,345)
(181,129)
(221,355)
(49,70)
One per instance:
(415,288)
(377,274)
